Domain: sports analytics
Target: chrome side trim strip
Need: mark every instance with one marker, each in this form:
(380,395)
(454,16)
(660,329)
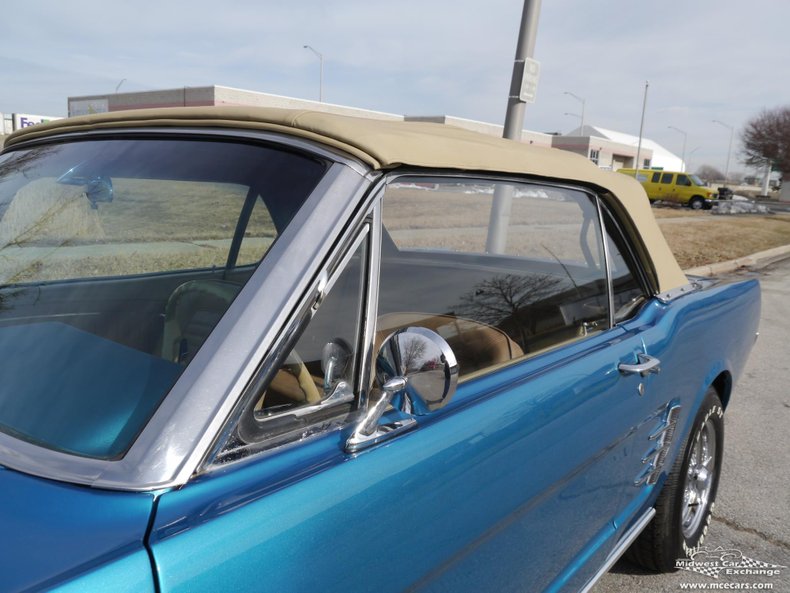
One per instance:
(622,545)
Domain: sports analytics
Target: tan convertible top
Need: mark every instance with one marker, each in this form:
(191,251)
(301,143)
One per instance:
(387,144)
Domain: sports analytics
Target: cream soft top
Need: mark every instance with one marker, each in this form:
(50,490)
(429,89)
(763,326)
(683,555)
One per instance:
(385,144)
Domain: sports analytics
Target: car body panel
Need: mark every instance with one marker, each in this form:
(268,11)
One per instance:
(58,535)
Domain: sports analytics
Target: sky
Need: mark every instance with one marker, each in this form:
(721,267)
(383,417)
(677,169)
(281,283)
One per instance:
(705,60)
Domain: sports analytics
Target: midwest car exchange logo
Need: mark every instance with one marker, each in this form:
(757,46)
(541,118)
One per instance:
(713,562)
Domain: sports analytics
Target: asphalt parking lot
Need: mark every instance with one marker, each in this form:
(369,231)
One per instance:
(752,513)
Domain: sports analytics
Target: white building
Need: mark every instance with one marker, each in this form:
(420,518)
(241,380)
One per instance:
(661,157)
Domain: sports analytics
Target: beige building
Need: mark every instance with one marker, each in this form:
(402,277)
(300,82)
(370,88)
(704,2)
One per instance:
(205,96)
(594,143)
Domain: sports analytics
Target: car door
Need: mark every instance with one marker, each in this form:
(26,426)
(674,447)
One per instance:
(514,485)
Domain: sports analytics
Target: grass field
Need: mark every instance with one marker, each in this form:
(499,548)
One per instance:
(49,231)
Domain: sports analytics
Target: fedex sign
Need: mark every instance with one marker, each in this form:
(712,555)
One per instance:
(24,120)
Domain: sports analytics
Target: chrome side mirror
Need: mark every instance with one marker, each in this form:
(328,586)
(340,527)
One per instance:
(416,373)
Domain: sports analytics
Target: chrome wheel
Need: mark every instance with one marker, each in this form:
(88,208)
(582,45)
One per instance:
(699,479)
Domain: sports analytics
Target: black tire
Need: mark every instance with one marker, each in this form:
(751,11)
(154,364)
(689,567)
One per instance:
(697,203)
(666,538)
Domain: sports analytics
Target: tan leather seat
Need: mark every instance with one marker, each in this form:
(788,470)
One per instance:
(476,345)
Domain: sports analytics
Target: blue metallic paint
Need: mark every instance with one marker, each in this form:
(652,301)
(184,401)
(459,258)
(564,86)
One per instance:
(519,480)
(70,538)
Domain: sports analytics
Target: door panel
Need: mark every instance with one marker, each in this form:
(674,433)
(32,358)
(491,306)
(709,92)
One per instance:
(513,481)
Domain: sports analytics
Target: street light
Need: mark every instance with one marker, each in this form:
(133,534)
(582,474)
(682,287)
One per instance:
(578,98)
(729,150)
(117,86)
(321,72)
(683,157)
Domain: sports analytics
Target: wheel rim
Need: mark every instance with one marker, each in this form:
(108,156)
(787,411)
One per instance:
(696,204)
(699,479)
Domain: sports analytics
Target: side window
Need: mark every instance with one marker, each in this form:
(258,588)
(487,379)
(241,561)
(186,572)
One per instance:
(683,180)
(628,294)
(495,292)
(656,177)
(315,381)
(666,178)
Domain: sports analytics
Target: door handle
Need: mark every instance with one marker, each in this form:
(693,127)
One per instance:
(645,366)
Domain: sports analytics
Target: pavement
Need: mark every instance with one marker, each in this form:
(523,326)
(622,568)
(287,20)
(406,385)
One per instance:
(752,513)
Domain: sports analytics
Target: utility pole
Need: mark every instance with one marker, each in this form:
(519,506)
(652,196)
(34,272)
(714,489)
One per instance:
(641,129)
(320,57)
(683,157)
(514,123)
(583,102)
(729,150)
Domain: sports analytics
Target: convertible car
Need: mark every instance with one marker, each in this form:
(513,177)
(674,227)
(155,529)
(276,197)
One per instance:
(269,350)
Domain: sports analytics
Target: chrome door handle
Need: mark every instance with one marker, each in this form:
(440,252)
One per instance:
(647,364)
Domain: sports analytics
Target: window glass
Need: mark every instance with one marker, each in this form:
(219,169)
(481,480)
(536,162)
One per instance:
(594,156)
(656,177)
(683,180)
(666,178)
(324,357)
(628,294)
(313,387)
(495,296)
(119,257)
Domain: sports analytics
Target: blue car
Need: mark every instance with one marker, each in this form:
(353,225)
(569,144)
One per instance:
(268,350)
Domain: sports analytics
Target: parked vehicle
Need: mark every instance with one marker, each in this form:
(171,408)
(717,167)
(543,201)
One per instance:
(672,186)
(268,350)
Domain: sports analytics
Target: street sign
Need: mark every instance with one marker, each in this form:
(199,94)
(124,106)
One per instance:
(529,81)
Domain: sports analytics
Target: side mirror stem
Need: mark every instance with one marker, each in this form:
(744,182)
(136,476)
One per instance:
(370,422)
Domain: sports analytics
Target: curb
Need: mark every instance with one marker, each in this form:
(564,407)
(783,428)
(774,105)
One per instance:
(755,260)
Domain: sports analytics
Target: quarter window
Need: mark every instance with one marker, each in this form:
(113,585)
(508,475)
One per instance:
(656,178)
(530,280)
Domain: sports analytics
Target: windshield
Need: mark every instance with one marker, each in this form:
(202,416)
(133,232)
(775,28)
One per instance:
(117,259)
(696,180)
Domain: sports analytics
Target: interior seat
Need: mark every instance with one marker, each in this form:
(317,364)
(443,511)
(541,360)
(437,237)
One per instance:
(191,312)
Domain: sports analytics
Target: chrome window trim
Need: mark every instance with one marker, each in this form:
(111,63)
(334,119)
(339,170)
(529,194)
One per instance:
(301,144)
(607,261)
(176,439)
(298,322)
(641,273)
(674,294)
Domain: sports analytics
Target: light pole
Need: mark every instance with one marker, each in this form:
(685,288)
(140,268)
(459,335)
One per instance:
(729,150)
(320,74)
(117,86)
(496,239)
(683,157)
(582,101)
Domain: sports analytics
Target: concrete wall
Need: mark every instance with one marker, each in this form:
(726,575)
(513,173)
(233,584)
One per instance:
(206,96)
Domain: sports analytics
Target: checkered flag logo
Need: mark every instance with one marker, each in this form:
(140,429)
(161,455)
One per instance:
(711,561)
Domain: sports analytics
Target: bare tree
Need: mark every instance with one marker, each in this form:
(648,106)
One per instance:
(710,173)
(767,137)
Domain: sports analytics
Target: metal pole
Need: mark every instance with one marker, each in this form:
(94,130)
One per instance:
(641,129)
(583,102)
(683,157)
(514,124)
(766,178)
(320,72)
(119,85)
(729,150)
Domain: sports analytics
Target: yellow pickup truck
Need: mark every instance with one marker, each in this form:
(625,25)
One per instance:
(672,186)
